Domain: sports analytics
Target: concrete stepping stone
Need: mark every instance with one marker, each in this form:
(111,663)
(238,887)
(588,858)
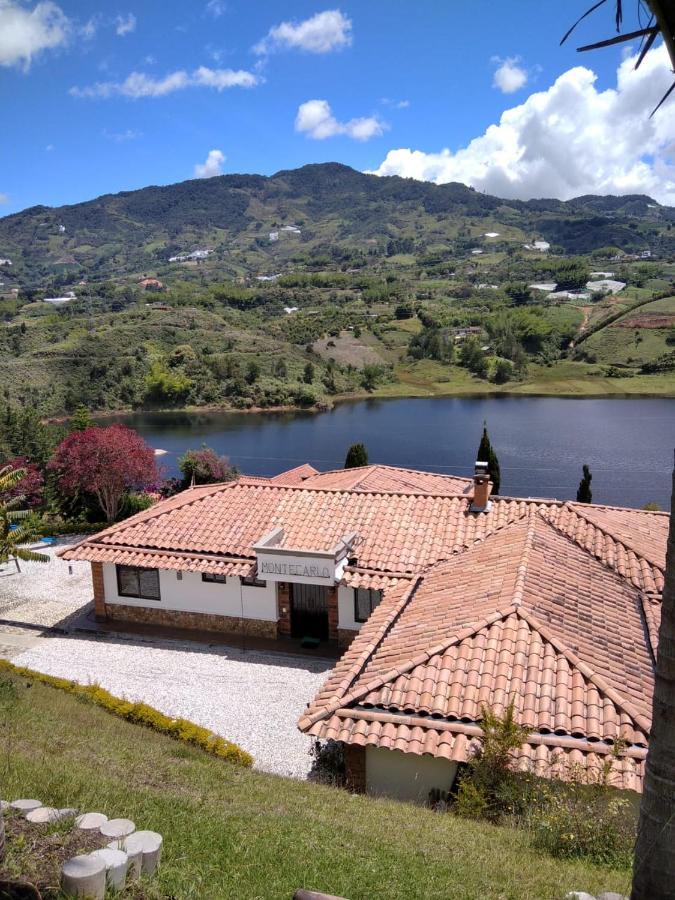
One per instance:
(25,806)
(116,865)
(150,845)
(84,876)
(134,857)
(43,815)
(91,821)
(117,828)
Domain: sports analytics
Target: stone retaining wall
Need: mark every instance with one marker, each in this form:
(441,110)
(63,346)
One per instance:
(197,621)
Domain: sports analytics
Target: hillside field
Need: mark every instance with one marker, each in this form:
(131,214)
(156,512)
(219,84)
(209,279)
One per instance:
(231,832)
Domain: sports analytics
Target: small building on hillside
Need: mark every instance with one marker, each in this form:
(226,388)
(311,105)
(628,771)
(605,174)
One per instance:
(445,599)
(151,284)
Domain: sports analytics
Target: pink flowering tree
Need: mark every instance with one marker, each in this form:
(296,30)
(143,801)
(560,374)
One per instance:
(105,463)
(30,485)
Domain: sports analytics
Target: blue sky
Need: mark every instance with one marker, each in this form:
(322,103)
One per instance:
(394,86)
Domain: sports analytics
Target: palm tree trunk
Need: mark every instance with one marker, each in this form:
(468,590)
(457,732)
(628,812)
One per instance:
(654,867)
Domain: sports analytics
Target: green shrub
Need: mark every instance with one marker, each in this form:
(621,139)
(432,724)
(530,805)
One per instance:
(141,714)
(489,785)
(580,820)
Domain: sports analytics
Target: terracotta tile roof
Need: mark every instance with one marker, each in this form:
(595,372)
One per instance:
(390,478)
(296,475)
(185,562)
(578,524)
(400,534)
(529,615)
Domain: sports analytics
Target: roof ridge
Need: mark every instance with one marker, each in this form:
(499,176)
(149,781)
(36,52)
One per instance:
(608,534)
(521,575)
(632,509)
(396,469)
(597,680)
(422,657)
(364,657)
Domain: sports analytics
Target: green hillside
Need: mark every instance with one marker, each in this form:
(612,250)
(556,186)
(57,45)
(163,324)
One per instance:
(336,208)
(322,283)
(232,832)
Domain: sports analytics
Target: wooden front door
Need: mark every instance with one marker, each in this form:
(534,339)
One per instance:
(309,611)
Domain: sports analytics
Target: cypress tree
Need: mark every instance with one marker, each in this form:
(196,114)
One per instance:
(357,455)
(584,493)
(487,454)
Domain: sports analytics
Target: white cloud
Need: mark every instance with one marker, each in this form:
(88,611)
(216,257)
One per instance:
(90,27)
(216,8)
(323,32)
(395,104)
(213,165)
(138,84)
(510,75)
(125,24)
(569,140)
(24,33)
(315,119)
(4,198)
(121,137)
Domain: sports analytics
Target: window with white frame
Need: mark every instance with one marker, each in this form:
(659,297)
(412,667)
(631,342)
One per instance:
(133,581)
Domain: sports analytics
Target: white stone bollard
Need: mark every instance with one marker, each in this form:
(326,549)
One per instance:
(134,857)
(25,806)
(150,845)
(116,865)
(90,821)
(117,828)
(43,815)
(83,876)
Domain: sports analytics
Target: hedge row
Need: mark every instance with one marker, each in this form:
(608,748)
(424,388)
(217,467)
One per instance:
(141,714)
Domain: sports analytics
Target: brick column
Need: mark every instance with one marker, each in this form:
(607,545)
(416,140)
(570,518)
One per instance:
(333,613)
(355,768)
(283,609)
(99,590)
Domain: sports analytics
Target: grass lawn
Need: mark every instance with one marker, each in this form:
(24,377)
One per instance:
(231,832)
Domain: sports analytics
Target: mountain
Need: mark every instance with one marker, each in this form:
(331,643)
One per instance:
(243,221)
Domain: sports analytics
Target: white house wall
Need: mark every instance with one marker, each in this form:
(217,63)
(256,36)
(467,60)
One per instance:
(406,776)
(191,594)
(346,609)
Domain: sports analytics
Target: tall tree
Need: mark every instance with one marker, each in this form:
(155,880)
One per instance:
(654,866)
(17,527)
(81,419)
(487,454)
(106,463)
(584,492)
(357,455)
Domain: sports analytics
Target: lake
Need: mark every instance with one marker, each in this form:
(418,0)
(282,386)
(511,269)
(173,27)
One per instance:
(541,442)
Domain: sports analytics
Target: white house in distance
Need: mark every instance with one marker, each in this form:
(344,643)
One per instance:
(444,598)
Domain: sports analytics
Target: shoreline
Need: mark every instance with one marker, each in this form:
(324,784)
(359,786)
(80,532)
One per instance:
(478,393)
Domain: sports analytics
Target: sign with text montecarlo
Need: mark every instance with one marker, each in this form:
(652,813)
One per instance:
(304,568)
(279,563)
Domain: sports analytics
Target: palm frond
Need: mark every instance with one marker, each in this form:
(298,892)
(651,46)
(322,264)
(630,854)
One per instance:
(620,39)
(29,555)
(663,99)
(646,47)
(581,18)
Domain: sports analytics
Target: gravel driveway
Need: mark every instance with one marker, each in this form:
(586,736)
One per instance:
(253,698)
(45,593)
